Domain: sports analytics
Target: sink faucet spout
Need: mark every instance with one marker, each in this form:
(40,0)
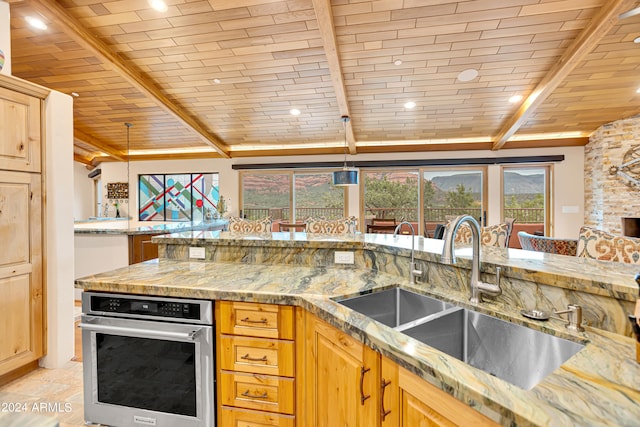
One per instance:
(413,271)
(448,257)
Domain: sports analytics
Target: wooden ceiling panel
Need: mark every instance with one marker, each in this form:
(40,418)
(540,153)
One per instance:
(225,73)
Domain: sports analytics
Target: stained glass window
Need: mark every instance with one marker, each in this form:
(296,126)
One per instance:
(177,197)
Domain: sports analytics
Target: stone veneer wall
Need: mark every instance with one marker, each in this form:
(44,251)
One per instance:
(610,197)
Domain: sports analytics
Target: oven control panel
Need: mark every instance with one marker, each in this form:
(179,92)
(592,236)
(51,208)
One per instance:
(170,308)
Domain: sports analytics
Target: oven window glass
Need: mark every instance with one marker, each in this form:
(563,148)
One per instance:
(146,373)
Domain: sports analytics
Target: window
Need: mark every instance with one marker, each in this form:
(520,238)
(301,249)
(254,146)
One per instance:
(452,192)
(391,195)
(177,197)
(290,196)
(525,197)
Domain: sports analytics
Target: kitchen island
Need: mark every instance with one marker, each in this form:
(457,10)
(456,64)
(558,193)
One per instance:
(103,245)
(597,386)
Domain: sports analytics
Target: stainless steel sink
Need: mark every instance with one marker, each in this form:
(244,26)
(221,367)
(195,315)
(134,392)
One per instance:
(395,307)
(515,353)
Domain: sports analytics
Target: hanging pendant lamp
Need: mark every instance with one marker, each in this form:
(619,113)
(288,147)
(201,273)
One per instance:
(348,175)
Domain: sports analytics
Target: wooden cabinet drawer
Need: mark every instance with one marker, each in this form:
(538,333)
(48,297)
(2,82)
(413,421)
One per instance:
(261,392)
(234,417)
(257,355)
(256,320)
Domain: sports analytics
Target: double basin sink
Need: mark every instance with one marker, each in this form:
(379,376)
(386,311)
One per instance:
(511,352)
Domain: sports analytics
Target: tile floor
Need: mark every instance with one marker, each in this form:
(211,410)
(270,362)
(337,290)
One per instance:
(55,393)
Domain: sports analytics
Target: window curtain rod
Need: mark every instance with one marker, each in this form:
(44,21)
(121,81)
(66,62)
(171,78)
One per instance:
(400,163)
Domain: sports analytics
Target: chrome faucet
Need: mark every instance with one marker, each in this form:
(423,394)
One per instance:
(413,272)
(448,257)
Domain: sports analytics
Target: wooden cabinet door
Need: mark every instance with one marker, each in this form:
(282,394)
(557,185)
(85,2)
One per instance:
(413,402)
(20,136)
(21,289)
(342,378)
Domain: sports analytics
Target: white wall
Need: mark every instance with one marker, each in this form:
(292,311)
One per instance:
(5,37)
(83,191)
(58,221)
(568,183)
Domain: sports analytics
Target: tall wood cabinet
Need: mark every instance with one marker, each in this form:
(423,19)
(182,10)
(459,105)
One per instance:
(21,229)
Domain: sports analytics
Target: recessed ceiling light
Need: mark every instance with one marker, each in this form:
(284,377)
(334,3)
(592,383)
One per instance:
(294,112)
(36,23)
(409,105)
(75,94)
(515,98)
(397,62)
(468,75)
(216,81)
(636,40)
(158,5)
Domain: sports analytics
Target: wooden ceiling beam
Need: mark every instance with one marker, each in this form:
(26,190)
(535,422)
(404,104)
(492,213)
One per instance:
(586,41)
(82,159)
(74,29)
(324,16)
(100,146)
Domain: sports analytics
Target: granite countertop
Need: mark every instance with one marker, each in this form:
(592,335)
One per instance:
(598,386)
(597,277)
(130,227)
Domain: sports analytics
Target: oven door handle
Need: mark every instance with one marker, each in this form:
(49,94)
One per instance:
(191,336)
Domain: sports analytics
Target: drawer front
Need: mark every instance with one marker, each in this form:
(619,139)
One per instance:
(256,320)
(261,392)
(257,355)
(233,417)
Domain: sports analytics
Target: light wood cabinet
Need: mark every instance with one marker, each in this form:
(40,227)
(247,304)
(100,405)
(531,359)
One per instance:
(341,375)
(21,281)
(349,384)
(256,357)
(22,289)
(20,121)
(407,400)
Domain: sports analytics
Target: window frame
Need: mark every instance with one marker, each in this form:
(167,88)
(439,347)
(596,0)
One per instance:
(291,173)
(548,192)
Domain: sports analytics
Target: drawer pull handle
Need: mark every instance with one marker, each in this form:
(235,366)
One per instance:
(255,396)
(249,320)
(254,359)
(363,371)
(383,386)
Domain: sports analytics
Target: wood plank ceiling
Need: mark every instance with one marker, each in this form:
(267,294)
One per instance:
(218,78)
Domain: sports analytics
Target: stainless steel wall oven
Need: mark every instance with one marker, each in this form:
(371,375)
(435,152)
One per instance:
(148,361)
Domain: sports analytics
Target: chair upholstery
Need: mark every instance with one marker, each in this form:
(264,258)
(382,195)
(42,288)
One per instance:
(492,235)
(600,245)
(551,245)
(331,226)
(243,225)
(509,222)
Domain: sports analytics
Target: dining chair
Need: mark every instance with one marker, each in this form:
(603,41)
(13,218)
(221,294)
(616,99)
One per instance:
(287,226)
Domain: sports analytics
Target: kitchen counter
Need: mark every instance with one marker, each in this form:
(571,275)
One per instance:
(598,386)
(130,227)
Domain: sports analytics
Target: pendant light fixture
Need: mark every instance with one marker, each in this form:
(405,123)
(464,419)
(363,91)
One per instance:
(348,175)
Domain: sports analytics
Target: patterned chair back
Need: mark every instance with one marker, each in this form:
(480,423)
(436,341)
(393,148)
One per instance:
(243,225)
(492,235)
(603,246)
(550,245)
(331,226)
